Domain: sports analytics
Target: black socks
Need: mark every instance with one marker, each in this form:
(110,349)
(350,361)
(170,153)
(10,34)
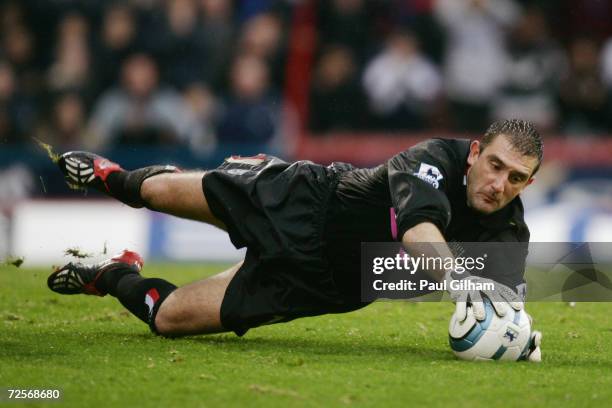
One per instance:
(125,185)
(141,296)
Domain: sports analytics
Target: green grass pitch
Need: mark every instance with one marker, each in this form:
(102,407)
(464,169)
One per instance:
(388,354)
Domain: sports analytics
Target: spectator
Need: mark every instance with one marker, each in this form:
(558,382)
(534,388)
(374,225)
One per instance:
(11,14)
(262,37)
(67,125)
(247,9)
(336,97)
(17,112)
(252,110)
(73,25)
(217,37)
(71,69)
(18,49)
(582,94)
(586,17)
(475,61)
(18,46)
(533,71)
(180,45)
(117,40)
(145,5)
(140,110)
(202,109)
(419,17)
(606,63)
(345,22)
(402,85)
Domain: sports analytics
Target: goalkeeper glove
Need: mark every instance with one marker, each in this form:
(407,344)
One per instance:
(501,297)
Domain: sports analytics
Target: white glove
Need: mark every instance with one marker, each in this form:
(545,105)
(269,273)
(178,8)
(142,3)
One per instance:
(502,297)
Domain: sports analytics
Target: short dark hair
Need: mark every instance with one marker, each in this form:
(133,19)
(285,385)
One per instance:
(522,135)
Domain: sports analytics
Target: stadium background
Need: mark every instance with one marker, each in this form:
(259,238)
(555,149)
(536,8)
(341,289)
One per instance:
(190,82)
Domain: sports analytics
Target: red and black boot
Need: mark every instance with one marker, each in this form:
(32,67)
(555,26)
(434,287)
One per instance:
(77,278)
(84,169)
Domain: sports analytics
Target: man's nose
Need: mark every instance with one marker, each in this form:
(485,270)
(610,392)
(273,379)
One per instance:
(498,185)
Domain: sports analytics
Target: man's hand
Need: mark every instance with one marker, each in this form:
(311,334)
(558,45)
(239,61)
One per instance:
(501,296)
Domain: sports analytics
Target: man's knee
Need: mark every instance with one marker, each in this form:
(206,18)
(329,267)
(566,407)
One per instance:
(155,189)
(169,319)
(177,316)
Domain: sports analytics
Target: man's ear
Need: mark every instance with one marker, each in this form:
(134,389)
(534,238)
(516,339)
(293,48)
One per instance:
(531,180)
(474,152)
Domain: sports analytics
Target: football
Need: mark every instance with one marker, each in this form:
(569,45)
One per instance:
(494,338)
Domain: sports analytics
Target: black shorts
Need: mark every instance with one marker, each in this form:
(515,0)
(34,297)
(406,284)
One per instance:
(278,210)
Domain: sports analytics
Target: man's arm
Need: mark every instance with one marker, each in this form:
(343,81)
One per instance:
(419,180)
(427,240)
(427,232)
(423,233)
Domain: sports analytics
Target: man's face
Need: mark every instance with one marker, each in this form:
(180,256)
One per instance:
(496,175)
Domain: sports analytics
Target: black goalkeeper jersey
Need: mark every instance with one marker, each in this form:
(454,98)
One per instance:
(425,183)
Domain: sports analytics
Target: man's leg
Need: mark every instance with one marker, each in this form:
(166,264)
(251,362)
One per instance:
(161,188)
(168,310)
(172,311)
(195,308)
(179,194)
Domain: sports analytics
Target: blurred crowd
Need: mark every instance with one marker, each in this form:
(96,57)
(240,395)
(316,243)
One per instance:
(458,64)
(97,73)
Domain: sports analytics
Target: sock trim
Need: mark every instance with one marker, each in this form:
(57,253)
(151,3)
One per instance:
(153,313)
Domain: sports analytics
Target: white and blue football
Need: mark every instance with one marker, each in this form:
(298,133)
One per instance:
(494,338)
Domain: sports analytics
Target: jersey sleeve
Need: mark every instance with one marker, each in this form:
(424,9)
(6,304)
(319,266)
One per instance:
(419,180)
(507,258)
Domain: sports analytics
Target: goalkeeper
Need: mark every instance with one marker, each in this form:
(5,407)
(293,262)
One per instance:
(303,224)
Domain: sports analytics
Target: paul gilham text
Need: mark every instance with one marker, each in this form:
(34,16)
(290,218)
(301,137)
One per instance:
(424,284)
